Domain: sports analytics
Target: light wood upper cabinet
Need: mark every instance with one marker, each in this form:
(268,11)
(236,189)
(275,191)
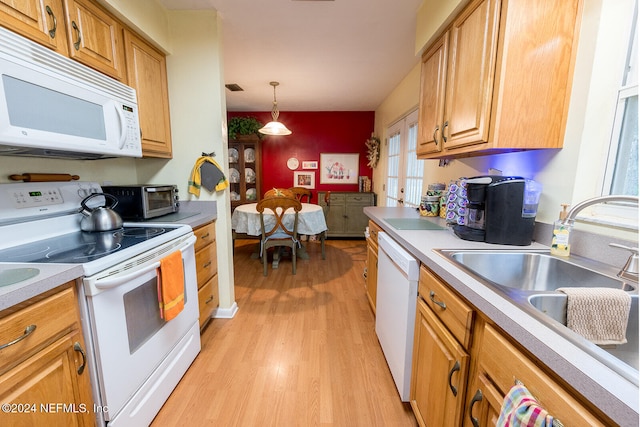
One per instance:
(147,73)
(507,79)
(39,20)
(95,38)
(432,95)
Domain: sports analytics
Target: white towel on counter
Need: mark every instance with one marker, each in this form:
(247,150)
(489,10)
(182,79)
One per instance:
(600,315)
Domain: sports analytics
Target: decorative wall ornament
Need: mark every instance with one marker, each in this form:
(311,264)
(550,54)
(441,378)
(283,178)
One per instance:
(373,151)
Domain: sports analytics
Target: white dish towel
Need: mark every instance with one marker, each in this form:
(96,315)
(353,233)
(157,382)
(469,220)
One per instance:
(598,314)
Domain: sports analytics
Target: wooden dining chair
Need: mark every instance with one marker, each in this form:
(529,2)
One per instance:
(280,192)
(279,235)
(304,195)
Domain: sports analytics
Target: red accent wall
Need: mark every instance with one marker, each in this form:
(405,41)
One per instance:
(313,133)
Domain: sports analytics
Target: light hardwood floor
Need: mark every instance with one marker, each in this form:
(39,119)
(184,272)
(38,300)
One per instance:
(301,351)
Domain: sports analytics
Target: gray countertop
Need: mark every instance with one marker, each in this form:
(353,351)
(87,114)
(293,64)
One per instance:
(192,213)
(609,391)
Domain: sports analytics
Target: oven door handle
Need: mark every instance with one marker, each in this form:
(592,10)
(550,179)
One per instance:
(112,282)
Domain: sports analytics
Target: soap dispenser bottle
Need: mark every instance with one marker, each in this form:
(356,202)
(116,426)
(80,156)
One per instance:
(560,244)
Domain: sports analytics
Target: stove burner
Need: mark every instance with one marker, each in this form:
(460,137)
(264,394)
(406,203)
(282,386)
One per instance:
(143,232)
(86,251)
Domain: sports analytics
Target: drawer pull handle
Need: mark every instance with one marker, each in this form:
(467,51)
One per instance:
(52,32)
(77,347)
(204,236)
(208,300)
(432,297)
(76,44)
(456,368)
(206,264)
(476,398)
(435,136)
(28,331)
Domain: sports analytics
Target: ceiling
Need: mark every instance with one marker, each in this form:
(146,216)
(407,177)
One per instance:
(328,55)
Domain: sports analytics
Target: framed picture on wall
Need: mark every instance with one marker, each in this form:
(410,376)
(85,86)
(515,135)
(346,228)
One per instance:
(310,165)
(339,168)
(304,179)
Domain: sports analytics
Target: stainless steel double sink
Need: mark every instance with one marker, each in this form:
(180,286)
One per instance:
(530,279)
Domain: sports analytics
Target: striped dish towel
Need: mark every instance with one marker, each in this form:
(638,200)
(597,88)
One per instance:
(521,409)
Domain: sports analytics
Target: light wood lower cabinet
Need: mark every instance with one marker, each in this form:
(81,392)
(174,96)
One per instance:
(371,283)
(500,364)
(440,367)
(43,376)
(463,366)
(206,271)
(440,353)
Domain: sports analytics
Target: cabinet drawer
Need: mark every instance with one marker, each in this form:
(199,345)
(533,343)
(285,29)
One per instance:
(208,299)
(450,309)
(358,199)
(205,234)
(206,263)
(374,229)
(52,318)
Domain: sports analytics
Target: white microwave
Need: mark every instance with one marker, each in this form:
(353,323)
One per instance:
(52,106)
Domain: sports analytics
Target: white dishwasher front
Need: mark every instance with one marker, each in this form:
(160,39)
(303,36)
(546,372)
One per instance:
(398,274)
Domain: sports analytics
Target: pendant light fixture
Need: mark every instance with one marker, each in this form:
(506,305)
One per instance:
(275,127)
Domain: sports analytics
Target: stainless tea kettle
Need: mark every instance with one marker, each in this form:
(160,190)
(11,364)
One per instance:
(100,218)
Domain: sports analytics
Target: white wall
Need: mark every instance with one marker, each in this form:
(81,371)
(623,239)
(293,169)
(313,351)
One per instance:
(563,173)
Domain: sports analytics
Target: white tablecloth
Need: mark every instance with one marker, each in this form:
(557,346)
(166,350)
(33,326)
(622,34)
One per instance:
(246,219)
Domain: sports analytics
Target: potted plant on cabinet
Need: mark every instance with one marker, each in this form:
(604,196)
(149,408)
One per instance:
(239,126)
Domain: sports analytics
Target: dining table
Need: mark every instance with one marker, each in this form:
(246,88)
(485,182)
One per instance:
(245,220)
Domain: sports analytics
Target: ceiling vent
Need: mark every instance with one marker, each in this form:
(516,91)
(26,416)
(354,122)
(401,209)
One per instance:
(234,87)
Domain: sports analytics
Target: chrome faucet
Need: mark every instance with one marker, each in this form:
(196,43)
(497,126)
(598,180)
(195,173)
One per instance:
(630,269)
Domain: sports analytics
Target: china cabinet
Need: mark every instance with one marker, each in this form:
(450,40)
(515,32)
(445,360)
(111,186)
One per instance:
(245,170)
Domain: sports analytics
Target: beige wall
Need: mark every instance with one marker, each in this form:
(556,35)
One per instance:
(566,174)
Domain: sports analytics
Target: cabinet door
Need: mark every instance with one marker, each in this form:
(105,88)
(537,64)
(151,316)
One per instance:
(39,20)
(94,38)
(499,365)
(432,96)
(471,69)
(357,221)
(439,372)
(372,275)
(49,388)
(147,74)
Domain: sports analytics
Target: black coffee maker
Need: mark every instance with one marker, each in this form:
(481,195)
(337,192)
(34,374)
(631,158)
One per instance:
(500,209)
